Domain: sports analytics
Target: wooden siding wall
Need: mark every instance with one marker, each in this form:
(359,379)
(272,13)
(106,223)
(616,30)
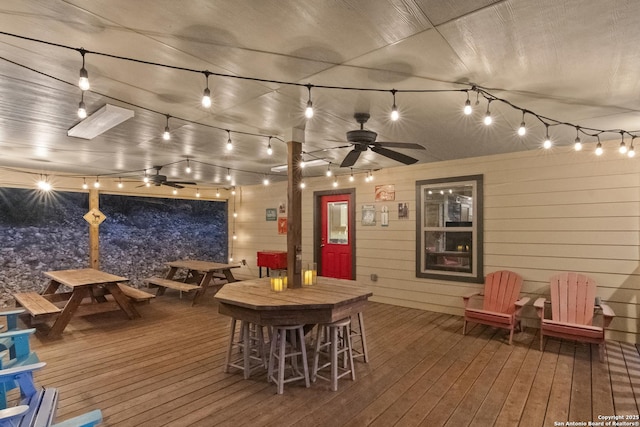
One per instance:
(545,212)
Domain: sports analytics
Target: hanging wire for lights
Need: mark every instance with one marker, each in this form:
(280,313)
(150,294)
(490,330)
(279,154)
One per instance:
(467,106)
(269,149)
(167,132)
(229,143)
(623,147)
(308,112)
(395,115)
(547,140)
(522,130)
(83,81)
(577,143)
(82,109)
(206,95)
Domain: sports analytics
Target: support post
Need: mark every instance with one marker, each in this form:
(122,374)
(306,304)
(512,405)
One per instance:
(294,208)
(94,232)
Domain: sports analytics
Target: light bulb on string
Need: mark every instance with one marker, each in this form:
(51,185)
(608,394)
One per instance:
(329,173)
(395,115)
(265,181)
(235,214)
(302,184)
(577,145)
(632,151)
(120,184)
(197,192)
(82,109)
(228,177)
(487,117)
(96,184)
(84,184)
(175,191)
(43,184)
(234,236)
(188,168)
(167,132)
(335,182)
(547,141)
(206,95)
(308,112)
(599,149)
(229,143)
(370,175)
(233,191)
(83,82)
(269,149)
(302,163)
(217,192)
(351,178)
(623,147)
(467,106)
(522,130)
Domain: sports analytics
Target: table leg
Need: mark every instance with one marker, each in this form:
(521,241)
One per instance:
(260,272)
(229,275)
(122,300)
(171,273)
(79,292)
(51,288)
(203,287)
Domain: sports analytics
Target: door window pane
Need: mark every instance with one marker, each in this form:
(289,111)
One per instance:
(337,223)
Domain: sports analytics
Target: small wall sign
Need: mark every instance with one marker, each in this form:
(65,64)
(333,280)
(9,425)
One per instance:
(385,193)
(271,214)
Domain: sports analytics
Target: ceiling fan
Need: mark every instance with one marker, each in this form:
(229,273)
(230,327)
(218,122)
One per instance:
(159,180)
(361,139)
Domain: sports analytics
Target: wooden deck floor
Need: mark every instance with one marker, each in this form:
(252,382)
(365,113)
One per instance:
(165,369)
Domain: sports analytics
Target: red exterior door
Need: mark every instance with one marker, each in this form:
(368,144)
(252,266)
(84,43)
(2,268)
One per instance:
(336,236)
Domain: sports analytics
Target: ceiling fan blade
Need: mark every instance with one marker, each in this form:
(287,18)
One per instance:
(181,182)
(402,158)
(172,184)
(402,145)
(351,158)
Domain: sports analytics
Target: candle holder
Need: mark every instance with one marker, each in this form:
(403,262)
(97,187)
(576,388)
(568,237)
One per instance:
(278,280)
(309,274)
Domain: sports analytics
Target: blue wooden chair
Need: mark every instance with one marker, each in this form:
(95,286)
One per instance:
(37,407)
(11,324)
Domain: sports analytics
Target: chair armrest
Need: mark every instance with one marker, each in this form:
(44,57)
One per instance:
(10,373)
(466,298)
(20,332)
(12,312)
(89,419)
(539,305)
(607,314)
(522,301)
(15,411)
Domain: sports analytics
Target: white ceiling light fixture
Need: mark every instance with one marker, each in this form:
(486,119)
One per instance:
(395,115)
(314,162)
(83,81)
(101,121)
(206,95)
(308,112)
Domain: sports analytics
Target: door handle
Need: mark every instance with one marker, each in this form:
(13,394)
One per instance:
(322,245)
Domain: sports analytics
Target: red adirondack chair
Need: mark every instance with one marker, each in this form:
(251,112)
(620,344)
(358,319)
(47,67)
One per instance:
(572,311)
(501,307)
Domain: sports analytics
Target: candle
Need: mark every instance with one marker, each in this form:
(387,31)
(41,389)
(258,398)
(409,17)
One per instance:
(308,277)
(277,284)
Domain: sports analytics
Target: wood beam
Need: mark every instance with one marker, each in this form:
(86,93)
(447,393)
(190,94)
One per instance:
(294,208)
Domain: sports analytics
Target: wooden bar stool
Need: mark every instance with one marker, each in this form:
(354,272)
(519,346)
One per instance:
(251,346)
(333,340)
(359,334)
(283,349)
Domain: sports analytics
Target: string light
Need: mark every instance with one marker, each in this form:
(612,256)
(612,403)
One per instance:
(146,178)
(234,236)
(487,117)
(599,149)
(547,141)
(233,191)
(43,184)
(351,178)
(329,173)
(370,175)
(120,184)
(175,191)
(206,95)
(302,163)
(335,182)
(82,109)
(623,147)
(83,82)
(632,151)
(269,149)
(167,132)
(84,184)
(147,184)
(235,214)
(97,183)
(394,109)
(522,130)
(228,177)
(577,145)
(188,168)
(303,185)
(217,192)
(467,106)
(197,192)
(229,143)
(308,112)
(265,181)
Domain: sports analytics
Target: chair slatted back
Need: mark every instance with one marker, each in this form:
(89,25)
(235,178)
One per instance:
(572,298)
(501,291)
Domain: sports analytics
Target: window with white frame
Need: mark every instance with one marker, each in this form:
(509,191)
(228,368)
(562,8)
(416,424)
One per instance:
(449,229)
